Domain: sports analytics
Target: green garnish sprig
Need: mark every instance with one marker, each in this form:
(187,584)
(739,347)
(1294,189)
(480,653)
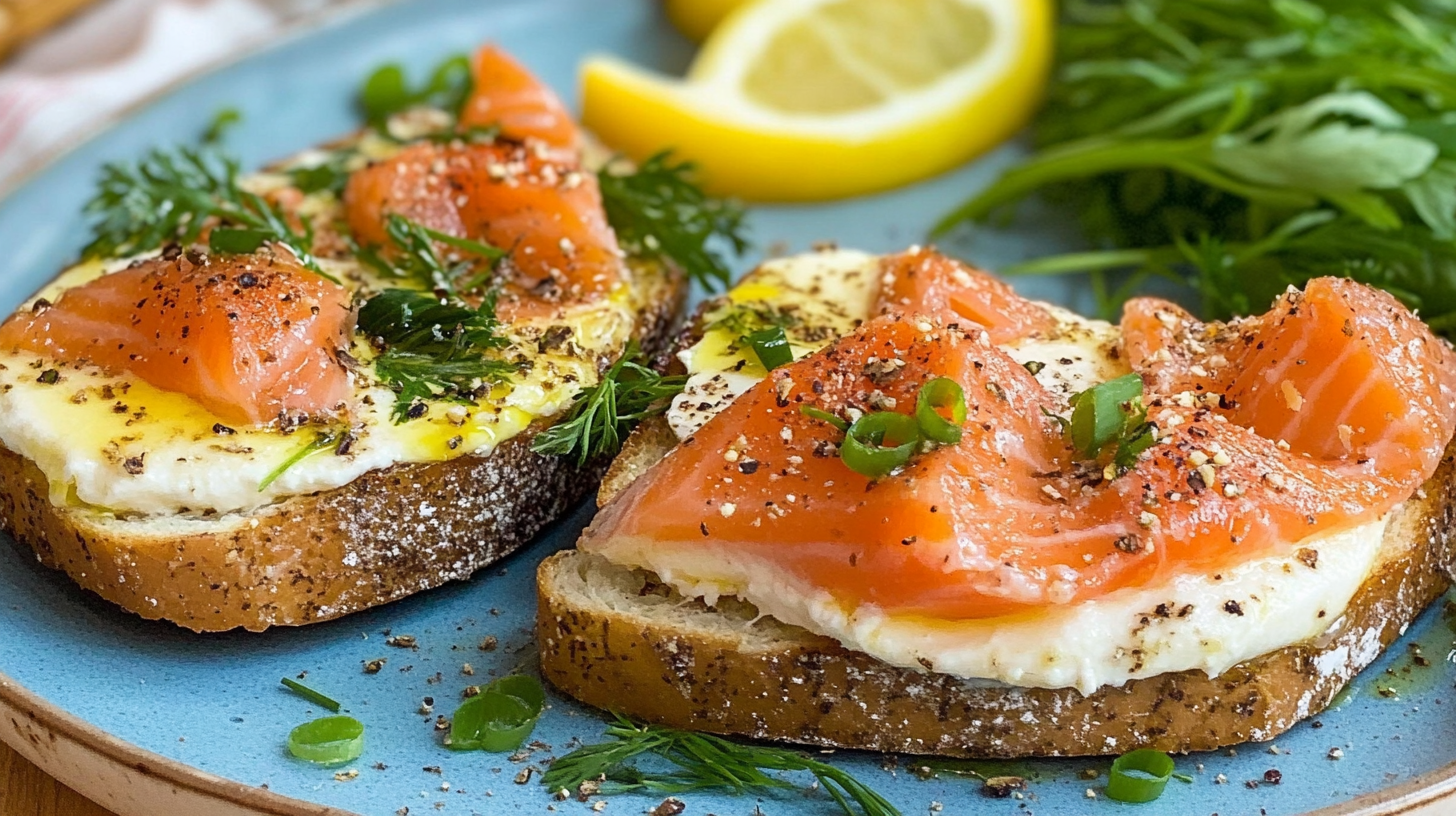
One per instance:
(414,257)
(173,196)
(659,211)
(1242,146)
(321,442)
(309,694)
(1110,416)
(387,92)
(1141,776)
(499,718)
(433,348)
(704,762)
(601,416)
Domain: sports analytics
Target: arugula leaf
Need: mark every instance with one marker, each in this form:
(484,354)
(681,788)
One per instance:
(387,92)
(658,211)
(602,416)
(1147,135)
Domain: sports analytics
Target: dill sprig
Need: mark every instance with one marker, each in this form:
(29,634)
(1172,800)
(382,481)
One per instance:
(658,211)
(323,441)
(414,257)
(1241,146)
(173,196)
(433,348)
(601,416)
(705,762)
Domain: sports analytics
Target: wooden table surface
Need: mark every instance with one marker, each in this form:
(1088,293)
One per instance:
(26,790)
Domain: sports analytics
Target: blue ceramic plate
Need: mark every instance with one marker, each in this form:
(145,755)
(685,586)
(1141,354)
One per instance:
(213,702)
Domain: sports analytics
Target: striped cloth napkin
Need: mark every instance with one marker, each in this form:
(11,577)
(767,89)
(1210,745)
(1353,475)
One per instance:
(114,54)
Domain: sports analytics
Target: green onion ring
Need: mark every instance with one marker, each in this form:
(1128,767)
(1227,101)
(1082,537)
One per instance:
(500,718)
(1097,413)
(941,392)
(771,346)
(864,451)
(1139,776)
(328,740)
(823,416)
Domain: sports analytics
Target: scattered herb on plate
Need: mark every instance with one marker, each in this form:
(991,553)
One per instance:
(328,740)
(1241,146)
(386,91)
(658,211)
(601,416)
(704,762)
(309,694)
(500,718)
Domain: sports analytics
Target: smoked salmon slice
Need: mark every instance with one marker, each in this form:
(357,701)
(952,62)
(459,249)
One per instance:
(525,193)
(248,336)
(546,214)
(1010,519)
(923,280)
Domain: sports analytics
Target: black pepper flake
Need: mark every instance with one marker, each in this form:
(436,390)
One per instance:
(222,430)
(373,666)
(1001,787)
(1034,366)
(997,390)
(1127,544)
(402,641)
(704,527)
(49,377)
(1233,608)
(748,466)
(670,807)
(417,410)
(1196,483)
(247,280)
(908,541)
(135,464)
(1273,777)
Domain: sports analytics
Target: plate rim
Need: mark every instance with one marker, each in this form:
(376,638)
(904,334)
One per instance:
(1408,798)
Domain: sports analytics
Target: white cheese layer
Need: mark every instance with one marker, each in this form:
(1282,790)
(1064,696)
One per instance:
(1189,622)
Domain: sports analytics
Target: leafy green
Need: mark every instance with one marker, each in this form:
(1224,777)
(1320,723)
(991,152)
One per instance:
(433,348)
(173,196)
(602,416)
(222,121)
(1111,416)
(704,762)
(1240,146)
(658,211)
(413,256)
(387,92)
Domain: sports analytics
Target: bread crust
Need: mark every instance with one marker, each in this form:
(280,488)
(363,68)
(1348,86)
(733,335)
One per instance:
(767,680)
(309,558)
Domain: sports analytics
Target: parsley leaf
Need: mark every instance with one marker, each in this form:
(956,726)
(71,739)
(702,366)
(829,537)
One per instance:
(602,416)
(658,211)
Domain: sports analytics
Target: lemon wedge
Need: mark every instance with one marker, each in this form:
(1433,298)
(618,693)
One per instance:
(801,100)
(696,19)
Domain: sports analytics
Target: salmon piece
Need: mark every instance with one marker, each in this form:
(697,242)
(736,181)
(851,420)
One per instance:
(923,280)
(1008,520)
(249,337)
(547,215)
(507,96)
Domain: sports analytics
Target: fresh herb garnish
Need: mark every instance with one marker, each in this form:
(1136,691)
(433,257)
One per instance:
(414,257)
(500,718)
(328,740)
(658,211)
(1243,146)
(1141,776)
(743,319)
(1111,415)
(771,347)
(332,174)
(222,121)
(602,416)
(704,762)
(433,348)
(880,442)
(309,694)
(387,92)
(173,196)
(323,441)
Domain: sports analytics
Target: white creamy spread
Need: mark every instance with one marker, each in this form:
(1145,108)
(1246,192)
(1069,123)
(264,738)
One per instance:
(1188,622)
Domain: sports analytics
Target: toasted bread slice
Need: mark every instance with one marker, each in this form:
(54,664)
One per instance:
(384,536)
(622,640)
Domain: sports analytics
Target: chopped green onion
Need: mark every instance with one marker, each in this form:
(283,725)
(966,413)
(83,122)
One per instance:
(823,416)
(237,241)
(1139,776)
(500,717)
(311,695)
(935,395)
(771,346)
(328,740)
(1098,416)
(865,450)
